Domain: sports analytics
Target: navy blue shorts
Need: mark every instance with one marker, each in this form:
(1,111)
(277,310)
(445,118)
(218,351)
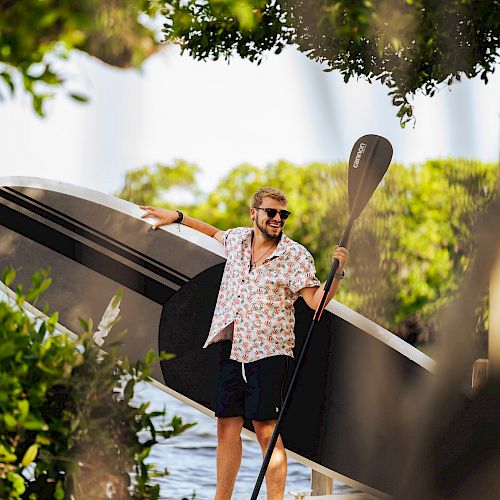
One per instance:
(259,397)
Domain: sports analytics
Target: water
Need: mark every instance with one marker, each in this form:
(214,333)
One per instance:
(190,457)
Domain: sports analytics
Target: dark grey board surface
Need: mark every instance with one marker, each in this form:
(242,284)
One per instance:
(95,244)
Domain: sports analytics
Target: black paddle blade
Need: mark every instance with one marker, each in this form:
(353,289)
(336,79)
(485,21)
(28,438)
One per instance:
(369,161)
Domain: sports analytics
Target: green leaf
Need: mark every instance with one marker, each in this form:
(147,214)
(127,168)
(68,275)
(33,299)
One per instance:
(115,301)
(7,78)
(84,325)
(7,349)
(10,421)
(79,97)
(144,454)
(59,491)
(30,455)
(23,407)
(9,275)
(35,424)
(128,392)
(151,357)
(38,289)
(52,321)
(17,482)
(6,455)
(154,414)
(43,440)
(38,105)
(164,356)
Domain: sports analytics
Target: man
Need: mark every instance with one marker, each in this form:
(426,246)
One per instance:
(265,273)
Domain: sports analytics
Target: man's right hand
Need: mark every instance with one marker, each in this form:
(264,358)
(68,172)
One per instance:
(164,216)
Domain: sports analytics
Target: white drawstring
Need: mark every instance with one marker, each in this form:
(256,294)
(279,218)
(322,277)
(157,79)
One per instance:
(243,374)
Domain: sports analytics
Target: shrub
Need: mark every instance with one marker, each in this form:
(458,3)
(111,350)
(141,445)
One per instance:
(67,423)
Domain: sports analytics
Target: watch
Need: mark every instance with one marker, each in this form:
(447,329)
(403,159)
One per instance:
(180,218)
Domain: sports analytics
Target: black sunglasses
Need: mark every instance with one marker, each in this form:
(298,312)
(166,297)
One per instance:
(271,212)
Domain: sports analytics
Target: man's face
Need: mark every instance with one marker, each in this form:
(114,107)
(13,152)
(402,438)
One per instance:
(270,227)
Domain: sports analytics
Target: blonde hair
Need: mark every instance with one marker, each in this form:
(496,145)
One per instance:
(268,192)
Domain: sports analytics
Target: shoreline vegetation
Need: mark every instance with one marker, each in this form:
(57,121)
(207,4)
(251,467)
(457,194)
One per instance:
(69,427)
(409,251)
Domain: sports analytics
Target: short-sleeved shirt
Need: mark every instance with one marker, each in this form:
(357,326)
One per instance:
(255,307)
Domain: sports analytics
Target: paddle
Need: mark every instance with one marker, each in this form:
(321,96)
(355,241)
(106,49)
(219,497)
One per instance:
(370,157)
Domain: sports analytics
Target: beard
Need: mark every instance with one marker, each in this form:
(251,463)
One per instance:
(263,226)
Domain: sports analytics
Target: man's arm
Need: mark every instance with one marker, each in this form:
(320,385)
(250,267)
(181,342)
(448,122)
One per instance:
(165,217)
(312,295)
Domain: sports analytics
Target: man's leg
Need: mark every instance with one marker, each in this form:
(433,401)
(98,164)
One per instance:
(228,455)
(276,472)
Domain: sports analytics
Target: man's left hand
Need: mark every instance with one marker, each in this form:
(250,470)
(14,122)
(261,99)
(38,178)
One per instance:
(342,254)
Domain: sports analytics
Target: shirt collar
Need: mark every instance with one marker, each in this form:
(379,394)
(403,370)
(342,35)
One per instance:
(280,248)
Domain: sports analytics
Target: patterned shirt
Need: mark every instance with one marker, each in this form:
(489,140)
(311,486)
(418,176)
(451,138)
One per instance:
(255,308)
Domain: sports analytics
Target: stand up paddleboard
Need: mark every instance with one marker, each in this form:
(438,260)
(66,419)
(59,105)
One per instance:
(94,244)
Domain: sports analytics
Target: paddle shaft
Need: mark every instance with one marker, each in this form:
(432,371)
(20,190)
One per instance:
(335,265)
(274,438)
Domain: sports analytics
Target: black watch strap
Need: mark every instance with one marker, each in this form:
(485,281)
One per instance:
(180,218)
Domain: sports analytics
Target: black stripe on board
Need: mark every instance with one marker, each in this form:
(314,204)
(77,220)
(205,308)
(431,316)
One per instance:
(101,261)
(92,234)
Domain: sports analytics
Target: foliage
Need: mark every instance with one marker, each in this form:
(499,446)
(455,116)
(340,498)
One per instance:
(420,229)
(409,248)
(408,45)
(213,29)
(67,425)
(37,35)
(150,185)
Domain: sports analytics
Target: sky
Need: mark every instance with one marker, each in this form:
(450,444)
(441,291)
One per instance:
(219,115)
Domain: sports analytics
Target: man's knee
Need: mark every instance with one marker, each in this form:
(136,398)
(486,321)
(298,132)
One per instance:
(264,430)
(229,427)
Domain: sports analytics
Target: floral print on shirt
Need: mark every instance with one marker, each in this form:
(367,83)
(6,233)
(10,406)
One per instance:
(255,308)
